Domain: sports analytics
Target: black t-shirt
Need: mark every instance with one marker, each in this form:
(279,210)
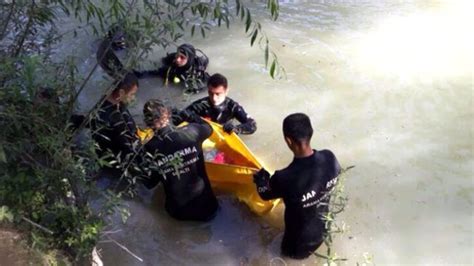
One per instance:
(179,165)
(221,114)
(302,186)
(114,130)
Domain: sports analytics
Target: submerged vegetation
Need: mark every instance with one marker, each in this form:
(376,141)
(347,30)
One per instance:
(336,205)
(45,173)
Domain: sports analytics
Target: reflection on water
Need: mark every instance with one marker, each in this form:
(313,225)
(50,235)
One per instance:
(388,85)
(429,44)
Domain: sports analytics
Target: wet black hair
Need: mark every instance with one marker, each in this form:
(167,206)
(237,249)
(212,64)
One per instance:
(126,84)
(217,80)
(298,127)
(155,109)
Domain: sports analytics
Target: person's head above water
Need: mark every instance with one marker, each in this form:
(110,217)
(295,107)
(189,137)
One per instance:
(298,131)
(185,55)
(217,89)
(116,35)
(156,114)
(125,90)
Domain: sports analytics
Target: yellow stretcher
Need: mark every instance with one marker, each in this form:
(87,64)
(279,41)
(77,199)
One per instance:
(235,178)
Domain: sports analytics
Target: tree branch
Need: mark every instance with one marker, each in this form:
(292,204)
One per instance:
(37,225)
(27,29)
(7,20)
(126,249)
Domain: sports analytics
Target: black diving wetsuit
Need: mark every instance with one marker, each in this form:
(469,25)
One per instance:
(221,114)
(111,64)
(178,163)
(114,130)
(108,60)
(302,185)
(193,75)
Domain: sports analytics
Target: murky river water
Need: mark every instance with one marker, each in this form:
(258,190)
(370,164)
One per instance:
(388,86)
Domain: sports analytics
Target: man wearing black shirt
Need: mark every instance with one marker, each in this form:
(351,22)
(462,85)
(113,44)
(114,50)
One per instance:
(219,108)
(177,160)
(184,65)
(304,187)
(113,128)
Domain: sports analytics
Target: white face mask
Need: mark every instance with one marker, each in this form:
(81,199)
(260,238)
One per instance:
(217,95)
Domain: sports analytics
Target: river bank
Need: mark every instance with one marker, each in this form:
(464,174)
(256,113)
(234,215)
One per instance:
(15,251)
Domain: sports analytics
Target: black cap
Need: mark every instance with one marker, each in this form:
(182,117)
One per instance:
(189,51)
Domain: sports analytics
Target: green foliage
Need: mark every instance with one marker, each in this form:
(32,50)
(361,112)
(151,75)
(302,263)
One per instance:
(5,214)
(164,23)
(255,31)
(42,180)
(336,205)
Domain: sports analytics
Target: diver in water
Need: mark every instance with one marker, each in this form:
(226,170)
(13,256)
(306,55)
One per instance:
(116,40)
(176,159)
(184,66)
(108,60)
(113,128)
(304,186)
(219,108)
(187,67)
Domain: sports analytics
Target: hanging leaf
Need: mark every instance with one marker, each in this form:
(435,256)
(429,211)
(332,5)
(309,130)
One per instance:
(272,9)
(238,5)
(227,22)
(180,25)
(272,69)
(267,52)
(254,36)
(3,157)
(248,22)
(217,12)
